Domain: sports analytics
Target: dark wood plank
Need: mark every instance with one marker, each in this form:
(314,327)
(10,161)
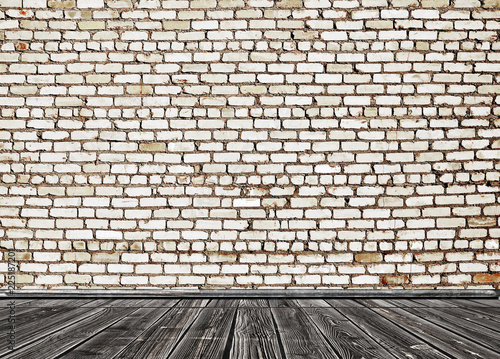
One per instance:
(299,337)
(207,337)
(449,342)
(405,303)
(464,303)
(28,315)
(253,303)
(469,314)
(347,339)
(56,303)
(344,303)
(201,303)
(161,303)
(129,303)
(312,303)
(435,303)
(223,303)
(283,303)
(99,303)
(42,322)
(5,302)
(65,339)
(397,341)
(18,313)
(255,336)
(494,302)
(120,303)
(115,338)
(158,340)
(375,303)
(464,328)
(492,312)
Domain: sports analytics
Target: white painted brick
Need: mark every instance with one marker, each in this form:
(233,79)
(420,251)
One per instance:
(181,145)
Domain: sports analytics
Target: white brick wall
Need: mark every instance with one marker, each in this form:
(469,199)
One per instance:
(249,144)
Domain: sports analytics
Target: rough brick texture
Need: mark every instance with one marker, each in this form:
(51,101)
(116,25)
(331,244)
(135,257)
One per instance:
(250,143)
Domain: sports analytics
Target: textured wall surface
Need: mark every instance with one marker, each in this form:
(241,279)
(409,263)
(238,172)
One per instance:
(250,143)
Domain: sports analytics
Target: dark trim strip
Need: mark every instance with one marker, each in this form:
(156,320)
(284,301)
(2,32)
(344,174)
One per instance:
(253,293)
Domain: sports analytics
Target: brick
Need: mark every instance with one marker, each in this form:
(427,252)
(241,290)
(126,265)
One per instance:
(435,3)
(191,143)
(368,257)
(491,4)
(287,4)
(394,280)
(61,4)
(487,278)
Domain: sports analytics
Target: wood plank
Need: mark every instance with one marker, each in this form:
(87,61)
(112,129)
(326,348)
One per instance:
(283,303)
(344,303)
(223,303)
(158,341)
(5,302)
(129,303)
(201,303)
(99,303)
(465,303)
(375,303)
(208,335)
(50,347)
(435,303)
(492,312)
(300,339)
(253,303)
(5,313)
(27,315)
(312,303)
(53,303)
(45,321)
(119,303)
(397,341)
(255,336)
(449,342)
(464,328)
(474,317)
(347,339)
(403,303)
(115,338)
(162,303)
(494,302)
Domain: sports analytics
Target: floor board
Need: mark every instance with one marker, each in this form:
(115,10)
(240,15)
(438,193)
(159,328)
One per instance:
(299,337)
(347,339)
(53,346)
(486,337)
(208,335)
(114,339)
(254,336)
(396,340)
(158,341)
(445,340)
(253,328)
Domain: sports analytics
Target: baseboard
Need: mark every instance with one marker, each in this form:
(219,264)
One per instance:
(254,293)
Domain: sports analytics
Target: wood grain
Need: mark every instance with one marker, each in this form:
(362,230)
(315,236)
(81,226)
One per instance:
(158,341)
(447,341)
(300,338)
(348,340)
(70,336)
(397,341)
(467,329)
(254,335)
(207,337)
(115,338)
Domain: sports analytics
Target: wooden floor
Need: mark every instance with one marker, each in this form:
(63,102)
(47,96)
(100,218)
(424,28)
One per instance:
(253,328)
